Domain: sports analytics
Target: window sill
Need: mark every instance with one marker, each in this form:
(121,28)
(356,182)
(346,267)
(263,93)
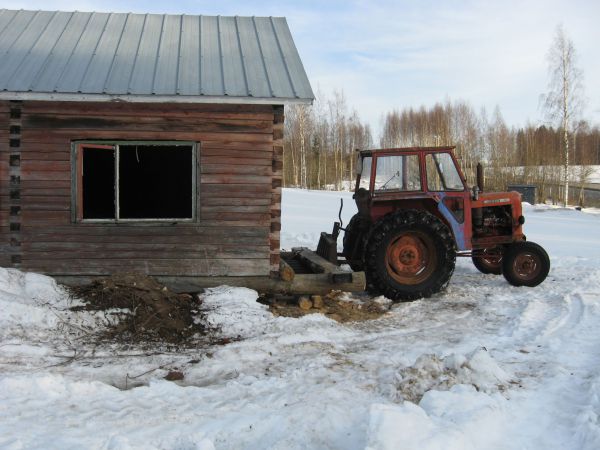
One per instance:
(134,221)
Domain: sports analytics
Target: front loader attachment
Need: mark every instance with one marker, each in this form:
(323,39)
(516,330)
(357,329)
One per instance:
(327,247)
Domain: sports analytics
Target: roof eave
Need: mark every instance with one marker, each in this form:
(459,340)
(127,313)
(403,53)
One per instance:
(130,98)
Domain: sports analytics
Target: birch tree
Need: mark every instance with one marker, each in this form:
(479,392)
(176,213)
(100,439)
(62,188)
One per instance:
(564,98)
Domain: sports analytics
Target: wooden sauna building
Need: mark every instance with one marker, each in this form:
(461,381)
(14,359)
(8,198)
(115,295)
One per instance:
(144,143)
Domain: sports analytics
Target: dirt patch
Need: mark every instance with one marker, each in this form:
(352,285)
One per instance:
(334,305)
(142,310)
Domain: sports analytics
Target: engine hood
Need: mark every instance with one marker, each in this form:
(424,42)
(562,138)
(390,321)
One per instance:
(498,198)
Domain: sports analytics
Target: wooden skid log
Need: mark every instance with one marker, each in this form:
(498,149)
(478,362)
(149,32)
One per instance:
(314,284)
(286,273)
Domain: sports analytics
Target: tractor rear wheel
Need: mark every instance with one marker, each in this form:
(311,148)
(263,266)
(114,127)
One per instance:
(488,261)
(525,264)
(410,254)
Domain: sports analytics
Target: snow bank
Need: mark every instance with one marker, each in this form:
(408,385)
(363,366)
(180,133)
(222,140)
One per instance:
(445,403)
(458,419)
(236,314)
(30,288)
(235,311)
(27,300)
(81,414)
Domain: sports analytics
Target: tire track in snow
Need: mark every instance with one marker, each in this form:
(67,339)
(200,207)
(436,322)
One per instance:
(568,321)
(540,316)
(546,312)
(561,405)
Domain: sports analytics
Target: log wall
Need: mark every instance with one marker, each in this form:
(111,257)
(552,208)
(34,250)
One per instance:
(4,185)
(239,191)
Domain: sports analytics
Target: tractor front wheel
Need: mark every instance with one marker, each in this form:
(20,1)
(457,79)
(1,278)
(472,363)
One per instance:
(488,261)
(410,254)
(525,264)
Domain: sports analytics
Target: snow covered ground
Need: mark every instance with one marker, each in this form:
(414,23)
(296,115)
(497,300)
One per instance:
(483,365)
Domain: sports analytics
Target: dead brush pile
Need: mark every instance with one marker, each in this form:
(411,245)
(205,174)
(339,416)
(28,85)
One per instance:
(146,311)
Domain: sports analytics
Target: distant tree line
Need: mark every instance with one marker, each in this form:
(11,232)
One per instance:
(320,143)
(533,154)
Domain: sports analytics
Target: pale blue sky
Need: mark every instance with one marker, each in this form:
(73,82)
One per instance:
(391,54)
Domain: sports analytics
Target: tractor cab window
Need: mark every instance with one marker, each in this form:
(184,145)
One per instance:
(364,170)
(398,173)
(442,174)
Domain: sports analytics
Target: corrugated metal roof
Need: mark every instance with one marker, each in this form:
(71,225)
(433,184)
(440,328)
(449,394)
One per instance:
(149,57)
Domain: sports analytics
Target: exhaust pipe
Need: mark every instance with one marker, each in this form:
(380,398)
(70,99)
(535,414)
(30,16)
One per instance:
(480,177)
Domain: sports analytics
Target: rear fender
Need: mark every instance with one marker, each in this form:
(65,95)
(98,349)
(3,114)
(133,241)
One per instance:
(434,204)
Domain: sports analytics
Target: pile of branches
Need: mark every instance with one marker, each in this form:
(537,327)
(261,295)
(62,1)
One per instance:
(146,311)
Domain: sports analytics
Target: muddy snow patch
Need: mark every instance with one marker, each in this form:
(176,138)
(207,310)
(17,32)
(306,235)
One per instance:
(430,372)
(339,306)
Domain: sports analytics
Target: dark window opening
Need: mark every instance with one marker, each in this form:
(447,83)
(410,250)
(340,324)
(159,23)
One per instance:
(155,182)
(135,181)
(98,183)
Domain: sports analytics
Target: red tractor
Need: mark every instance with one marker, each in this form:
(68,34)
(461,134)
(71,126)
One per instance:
(416,215)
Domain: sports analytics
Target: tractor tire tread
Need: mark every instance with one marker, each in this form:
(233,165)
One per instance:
(380,282)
